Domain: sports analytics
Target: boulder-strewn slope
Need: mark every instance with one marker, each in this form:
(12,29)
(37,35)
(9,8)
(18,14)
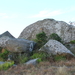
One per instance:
(49,26)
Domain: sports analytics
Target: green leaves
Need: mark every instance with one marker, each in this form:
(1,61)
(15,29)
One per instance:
(6,65)
(4,55)
(55,37)
(41,39)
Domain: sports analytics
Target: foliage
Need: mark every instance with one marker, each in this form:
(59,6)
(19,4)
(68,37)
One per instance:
(59,57)
(6,65)
(55,37)
(73,41)
(41,55)
(39,60)
(4,55)
(38,55)
(1,59)
(41,39)
(19,58)
(22,59)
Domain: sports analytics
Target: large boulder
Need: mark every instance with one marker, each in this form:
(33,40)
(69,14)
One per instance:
(54,47)
(49,26)
(16,45)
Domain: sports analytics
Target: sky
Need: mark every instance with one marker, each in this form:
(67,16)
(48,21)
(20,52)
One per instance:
(15,15)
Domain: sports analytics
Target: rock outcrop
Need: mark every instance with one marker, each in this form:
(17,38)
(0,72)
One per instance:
(7,34)
(13,44)
(16,45)
(49,26)
(54,47)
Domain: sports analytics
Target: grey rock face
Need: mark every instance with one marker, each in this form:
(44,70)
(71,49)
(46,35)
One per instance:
(7,34)
(49,26)
(54,47)
(16,45)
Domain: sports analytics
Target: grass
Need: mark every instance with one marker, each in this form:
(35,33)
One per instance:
(62,71)
(6,65)
(59,58)
(43,68)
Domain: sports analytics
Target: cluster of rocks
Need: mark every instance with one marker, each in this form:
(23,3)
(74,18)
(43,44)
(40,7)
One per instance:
(49,26)
(15,44)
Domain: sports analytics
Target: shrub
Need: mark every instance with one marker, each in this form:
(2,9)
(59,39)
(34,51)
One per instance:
(55,37)
(41,55)
(38,55)
(39,60)
(73,41)
(4,55)
(6,65)
(41,39)
(22,59)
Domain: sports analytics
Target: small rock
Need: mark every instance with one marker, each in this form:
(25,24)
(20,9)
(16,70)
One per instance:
(33,62)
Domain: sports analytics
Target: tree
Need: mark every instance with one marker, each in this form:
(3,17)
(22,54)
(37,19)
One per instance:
(41,39)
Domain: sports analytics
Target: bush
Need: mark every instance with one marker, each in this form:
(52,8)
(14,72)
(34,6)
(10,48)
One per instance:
(73,41)
(4,55)
(38,55)
(55,37)
(22,59)
(6,65)
(41,55)
(41,39)
(39,60)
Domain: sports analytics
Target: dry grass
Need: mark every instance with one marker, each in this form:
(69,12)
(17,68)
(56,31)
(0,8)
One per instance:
(43,68)
(62,71)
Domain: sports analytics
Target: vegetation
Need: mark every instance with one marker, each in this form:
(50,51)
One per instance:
(55,37)
(6,65)
(41,39)
(45,65)
(73,41)
(22,59)
(43,68)
(38,55)
(4,55)
(39,60)
(59,57)
(62,71)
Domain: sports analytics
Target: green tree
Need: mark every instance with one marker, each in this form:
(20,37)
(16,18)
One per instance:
(55,37)
(41,39)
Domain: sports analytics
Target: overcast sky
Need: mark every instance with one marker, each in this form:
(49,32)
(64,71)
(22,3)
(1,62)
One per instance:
(15,15)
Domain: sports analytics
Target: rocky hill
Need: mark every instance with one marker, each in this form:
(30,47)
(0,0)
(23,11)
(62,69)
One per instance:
(49,26)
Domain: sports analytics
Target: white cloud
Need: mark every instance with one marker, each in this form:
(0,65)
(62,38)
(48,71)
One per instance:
(47,13)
